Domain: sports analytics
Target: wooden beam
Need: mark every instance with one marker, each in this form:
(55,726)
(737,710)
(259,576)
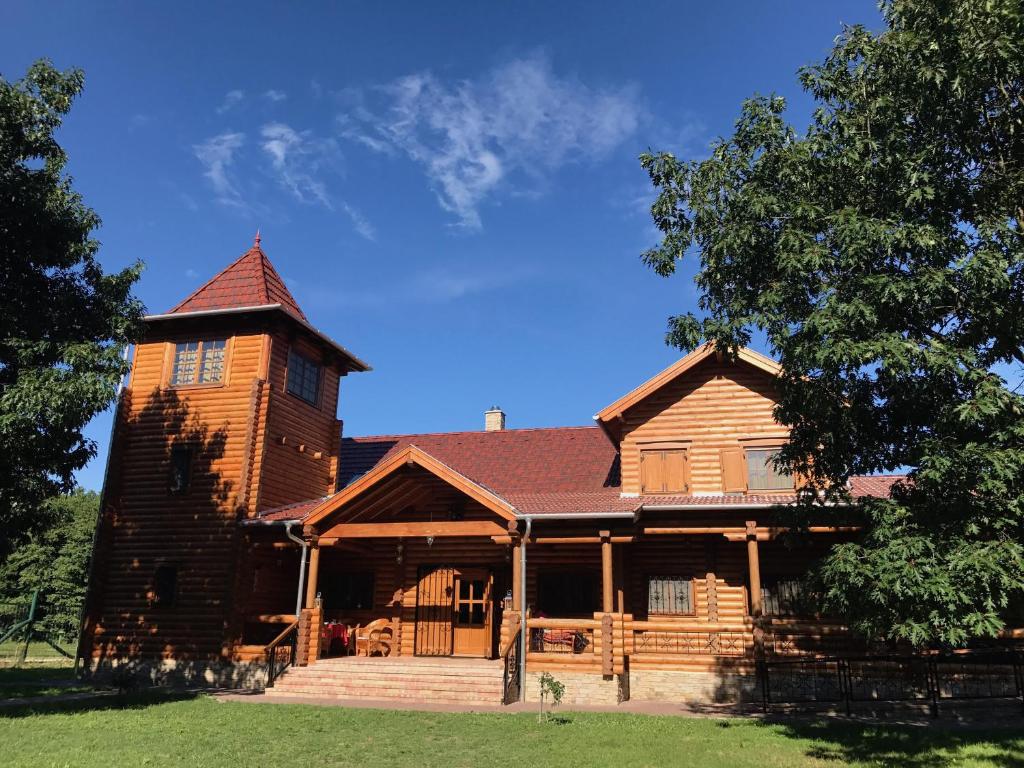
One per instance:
(413,530)
(517,595)
(754,565)
(314,573)
(607,587)
(620,580)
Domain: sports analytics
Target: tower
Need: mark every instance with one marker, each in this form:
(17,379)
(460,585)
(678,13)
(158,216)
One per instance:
(230,408)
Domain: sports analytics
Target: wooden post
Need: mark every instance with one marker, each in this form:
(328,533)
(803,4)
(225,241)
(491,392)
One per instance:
(517,578)
(755,569)
(620,580)
(314,572)
(607,592)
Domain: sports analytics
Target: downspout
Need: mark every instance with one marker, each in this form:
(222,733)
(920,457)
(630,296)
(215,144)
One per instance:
(522,608)
(302,564)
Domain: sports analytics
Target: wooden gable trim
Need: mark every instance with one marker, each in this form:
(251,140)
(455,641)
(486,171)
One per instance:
(412,456)
(607,415)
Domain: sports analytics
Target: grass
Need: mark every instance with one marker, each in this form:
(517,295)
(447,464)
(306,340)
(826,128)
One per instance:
(50,679)
(161,729)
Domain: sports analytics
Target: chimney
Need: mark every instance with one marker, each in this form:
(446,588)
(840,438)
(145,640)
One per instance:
(494,419)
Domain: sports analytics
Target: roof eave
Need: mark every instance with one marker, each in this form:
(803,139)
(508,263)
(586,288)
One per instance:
(356,365)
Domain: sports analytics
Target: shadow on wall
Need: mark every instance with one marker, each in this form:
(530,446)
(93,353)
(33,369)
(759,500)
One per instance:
(168,542)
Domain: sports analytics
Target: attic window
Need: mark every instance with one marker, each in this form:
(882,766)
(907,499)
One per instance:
(199,362)
(303,377)
(761,472)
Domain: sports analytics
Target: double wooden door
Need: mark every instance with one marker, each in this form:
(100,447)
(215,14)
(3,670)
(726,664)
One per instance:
(454,609)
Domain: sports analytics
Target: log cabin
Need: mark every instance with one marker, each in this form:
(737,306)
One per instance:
(245,541)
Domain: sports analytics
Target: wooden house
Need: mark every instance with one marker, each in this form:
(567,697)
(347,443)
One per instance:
(241,531)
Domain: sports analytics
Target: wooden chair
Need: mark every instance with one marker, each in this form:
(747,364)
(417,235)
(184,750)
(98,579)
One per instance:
(375,638)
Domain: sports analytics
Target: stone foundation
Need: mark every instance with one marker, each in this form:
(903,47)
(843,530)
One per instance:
(580,688)
(250,675)
(692,687)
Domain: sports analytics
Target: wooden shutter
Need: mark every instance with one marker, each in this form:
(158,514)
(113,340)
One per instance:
(663,470)
(652,475)
(734,470)
(674,471)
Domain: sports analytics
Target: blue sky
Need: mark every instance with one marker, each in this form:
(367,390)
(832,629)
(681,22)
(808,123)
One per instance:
(450,191)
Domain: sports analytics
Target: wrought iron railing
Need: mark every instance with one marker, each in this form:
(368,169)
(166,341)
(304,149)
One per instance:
(511,681)
(927,678)
(690,639)
(281,652)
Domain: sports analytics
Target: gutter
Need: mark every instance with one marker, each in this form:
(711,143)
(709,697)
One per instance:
(522,608)
(302,564)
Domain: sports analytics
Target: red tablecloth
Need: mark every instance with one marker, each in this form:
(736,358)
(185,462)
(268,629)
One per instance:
(332,632)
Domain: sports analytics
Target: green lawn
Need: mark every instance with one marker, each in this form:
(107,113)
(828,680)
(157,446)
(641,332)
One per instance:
(39,680)
(201,731)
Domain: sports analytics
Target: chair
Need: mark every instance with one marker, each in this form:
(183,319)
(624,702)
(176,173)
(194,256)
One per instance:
(375,638)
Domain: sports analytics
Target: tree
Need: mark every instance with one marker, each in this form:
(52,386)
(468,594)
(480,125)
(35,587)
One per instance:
(55,562)
(880,252)
(63,321)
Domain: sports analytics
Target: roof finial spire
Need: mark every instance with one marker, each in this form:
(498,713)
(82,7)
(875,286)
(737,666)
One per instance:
(256,240)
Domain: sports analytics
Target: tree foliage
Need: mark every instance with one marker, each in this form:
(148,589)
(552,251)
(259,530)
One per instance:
(55,562)
(880,251)
(63,320)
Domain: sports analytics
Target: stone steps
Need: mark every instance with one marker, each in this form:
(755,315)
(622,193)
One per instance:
(466,681)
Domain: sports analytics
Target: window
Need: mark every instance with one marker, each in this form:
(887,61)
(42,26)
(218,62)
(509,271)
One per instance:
(669,596)
(303,377)
(563,594)
(181,468)
(165,586)
(785,597)
(663,470)
(198,362)
(348,590)
(761,472)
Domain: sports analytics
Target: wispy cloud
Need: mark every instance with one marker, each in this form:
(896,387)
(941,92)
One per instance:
(275,95)
(217,154)
(231,100)
(191,274)
(299,161)
(470,137)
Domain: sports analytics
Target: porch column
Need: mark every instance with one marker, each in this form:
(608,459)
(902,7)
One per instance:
(517,578)
(755,569)
(620,580)
(314,572)
(608,588)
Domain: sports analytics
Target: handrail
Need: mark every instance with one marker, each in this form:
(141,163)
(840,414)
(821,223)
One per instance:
(513,637)
(539,623)
(664,625)
(272,618)
(289,632)
(511,679)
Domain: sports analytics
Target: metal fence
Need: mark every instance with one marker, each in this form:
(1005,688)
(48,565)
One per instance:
(22,641)
(928,679)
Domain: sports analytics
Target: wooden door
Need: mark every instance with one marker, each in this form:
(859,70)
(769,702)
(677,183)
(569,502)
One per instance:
(473,607)
(435,606)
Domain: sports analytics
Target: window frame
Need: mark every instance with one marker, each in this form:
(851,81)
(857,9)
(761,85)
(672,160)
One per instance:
(293,351)
(689,581)
(200,342)
(770,449)
(770,583)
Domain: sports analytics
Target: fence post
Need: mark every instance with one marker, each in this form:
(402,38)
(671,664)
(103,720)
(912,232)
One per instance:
(932,676)
(762,667)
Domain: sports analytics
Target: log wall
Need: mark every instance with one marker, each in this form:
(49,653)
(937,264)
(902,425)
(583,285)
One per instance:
(713,406)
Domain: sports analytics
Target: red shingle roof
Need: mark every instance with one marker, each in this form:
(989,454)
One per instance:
(539,471)
(250,281)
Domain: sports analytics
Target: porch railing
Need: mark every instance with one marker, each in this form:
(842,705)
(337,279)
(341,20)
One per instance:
(511,682)
(561,636)
(281,652)
(677,638)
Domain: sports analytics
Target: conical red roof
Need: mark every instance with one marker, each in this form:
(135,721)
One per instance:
(250,281)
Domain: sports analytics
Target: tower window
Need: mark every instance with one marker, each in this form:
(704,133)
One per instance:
(165,586)
(303,377)
(199,362)
(181,468)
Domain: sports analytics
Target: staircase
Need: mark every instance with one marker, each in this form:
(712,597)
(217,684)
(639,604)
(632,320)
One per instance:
(411,679)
